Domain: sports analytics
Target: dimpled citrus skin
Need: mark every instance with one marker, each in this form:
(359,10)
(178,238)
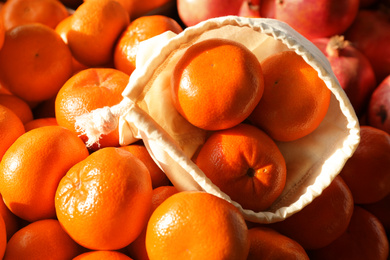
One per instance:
(246,164)
(295,99)
(196,225)
(32,168)
(216,84)
(104,201)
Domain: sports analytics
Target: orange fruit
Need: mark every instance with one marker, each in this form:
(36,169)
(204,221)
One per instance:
(381,210)
(3,89)
(365,238)
(11,127)
(295,99)
(137,249)
(12,222)
(103,202)
(18,106)
(32,168)
(47,12)
(42,239)
(39,71)
(3,237)
(86,91)
(96,26)
(246,164)
(196,225)
(158,176)
(2,31)
(140,29)
(63,29)
(266,243)
(39,122)
(367,172)
(99,255)
(323,220)
(216,84)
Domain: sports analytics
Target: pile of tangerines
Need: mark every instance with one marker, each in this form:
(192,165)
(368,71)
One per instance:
(62,199)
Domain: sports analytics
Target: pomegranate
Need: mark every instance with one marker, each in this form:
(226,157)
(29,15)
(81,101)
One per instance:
(317,18)
(352,69)
(379,107)
(250,8)
(370,33)
(267,8)
(192,12)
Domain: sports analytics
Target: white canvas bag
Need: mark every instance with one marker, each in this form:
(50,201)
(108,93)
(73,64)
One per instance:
(147,113)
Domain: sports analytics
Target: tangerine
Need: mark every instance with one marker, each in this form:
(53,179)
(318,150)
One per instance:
(216,84)
(295,99)
(246,164)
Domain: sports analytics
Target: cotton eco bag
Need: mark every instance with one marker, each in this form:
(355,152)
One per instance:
(147,113)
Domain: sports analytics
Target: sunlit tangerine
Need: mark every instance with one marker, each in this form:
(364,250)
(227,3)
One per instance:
(295,100)
(139,30)
(196,225)
(39,71)
(103,202)
(216,84)
(95,28)
(88,90)
(42,239)
(33,166)
(246,164)
(47,12)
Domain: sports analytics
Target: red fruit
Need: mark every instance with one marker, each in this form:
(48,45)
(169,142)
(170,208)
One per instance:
(378,114)
(351,68)
(317,18)
(192,12)
(365,238)
(381,210)
(250,8)
(370,33)
(367,171)
(267,8)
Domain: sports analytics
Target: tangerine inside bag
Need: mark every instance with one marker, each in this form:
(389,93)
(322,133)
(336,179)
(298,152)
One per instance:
(147,113)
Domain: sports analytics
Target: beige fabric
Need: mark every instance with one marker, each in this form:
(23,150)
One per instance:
(312,162)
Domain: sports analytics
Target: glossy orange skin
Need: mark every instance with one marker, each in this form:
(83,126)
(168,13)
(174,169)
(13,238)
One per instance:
(42,239)
(86,91)
(246,164)
(42,157)
(295,99)
(47,12)
(216,84)
(198,225)
(140,29)
(39,71)
(104,201)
